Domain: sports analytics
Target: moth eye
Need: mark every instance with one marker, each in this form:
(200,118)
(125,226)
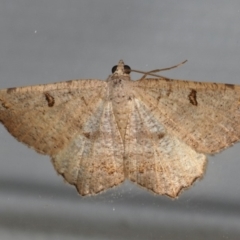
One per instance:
(114,68)
(127,69)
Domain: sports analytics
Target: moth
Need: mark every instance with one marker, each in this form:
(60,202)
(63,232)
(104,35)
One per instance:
(155,131)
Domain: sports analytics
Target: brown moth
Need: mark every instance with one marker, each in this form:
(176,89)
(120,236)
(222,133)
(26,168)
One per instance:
(154,131)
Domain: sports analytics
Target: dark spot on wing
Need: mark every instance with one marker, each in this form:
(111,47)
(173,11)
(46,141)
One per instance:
(161,135)
(87,134)
(50,99)
(193,97)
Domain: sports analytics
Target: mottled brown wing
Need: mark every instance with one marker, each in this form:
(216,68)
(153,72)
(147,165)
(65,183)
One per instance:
(154,157)
(73,123)
(203,115)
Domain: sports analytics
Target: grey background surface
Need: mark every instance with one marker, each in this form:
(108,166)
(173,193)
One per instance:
(53,40)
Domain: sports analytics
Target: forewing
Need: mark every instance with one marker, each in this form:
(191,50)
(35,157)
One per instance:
(71,122)
(45,117)
(156,159)
(203,115)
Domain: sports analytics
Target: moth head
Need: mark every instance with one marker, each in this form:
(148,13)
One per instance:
(121,69)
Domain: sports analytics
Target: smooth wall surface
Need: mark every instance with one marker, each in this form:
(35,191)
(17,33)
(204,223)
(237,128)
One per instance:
(53,40)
